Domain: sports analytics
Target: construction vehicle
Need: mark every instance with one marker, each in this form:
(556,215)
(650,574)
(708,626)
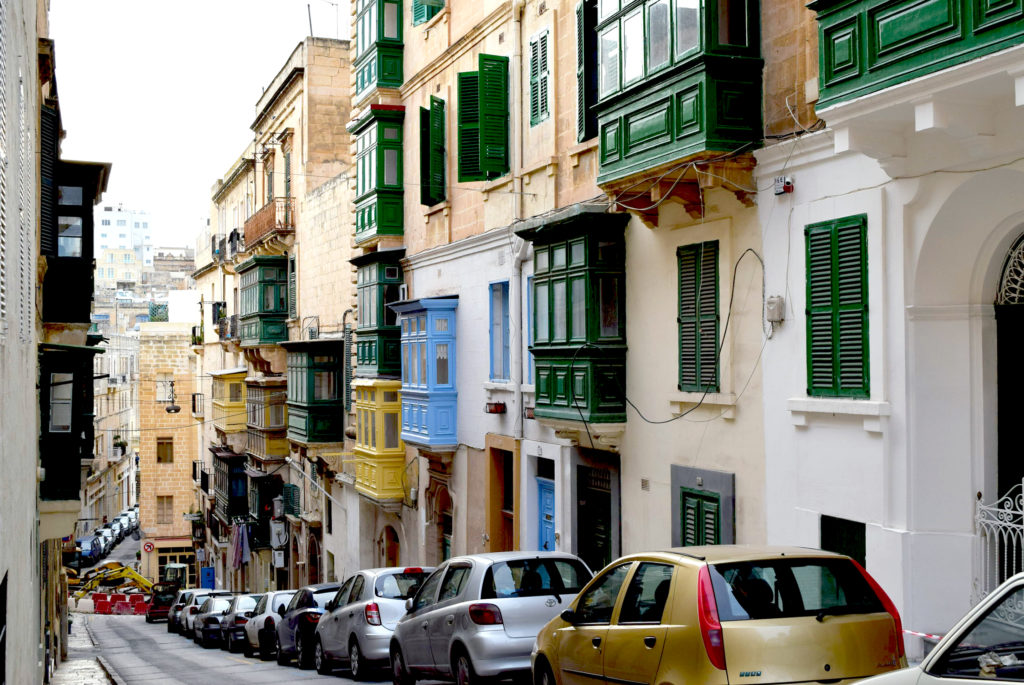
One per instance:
(113,577)
(176,573)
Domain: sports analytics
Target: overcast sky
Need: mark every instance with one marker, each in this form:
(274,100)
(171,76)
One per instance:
(166,91)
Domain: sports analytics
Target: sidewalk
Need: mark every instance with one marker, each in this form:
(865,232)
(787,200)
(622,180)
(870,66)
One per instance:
(82,667)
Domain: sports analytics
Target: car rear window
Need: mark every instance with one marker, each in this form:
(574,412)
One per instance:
(533,577)
(164,596)
(399,585)
(219,605)
(782,588)
(324,596)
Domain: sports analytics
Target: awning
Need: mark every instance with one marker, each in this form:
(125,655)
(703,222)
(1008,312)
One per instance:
(229,372)
(253,473)
(225,453)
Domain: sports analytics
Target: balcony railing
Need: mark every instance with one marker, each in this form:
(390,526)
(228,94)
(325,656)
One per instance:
(277,216)
(233,328)
(222,328)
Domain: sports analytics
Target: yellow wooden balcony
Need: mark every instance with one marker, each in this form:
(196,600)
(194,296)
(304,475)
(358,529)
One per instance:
(379,450)
(229,400)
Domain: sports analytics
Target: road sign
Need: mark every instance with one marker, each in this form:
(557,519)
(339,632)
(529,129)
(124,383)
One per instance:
(148,547)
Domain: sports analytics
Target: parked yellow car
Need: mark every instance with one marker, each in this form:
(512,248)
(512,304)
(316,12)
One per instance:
(721,615)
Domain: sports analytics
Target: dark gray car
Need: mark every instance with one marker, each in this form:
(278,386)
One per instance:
(232,623)
(478,615)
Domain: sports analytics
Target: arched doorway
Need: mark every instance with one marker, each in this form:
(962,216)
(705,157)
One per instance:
(294,561)
(313,560)
(1009,309)
(388,547)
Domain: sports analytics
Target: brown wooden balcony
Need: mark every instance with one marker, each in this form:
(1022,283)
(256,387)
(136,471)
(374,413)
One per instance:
(277,216)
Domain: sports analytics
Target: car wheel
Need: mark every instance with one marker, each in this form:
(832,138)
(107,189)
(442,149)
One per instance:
(542,674)
(149,619)
(303,657)
(400,676)
(247,648)
(355,660)
(282,658)
(170,626)
(266,649)
(225,643)
(463,670)
(321,660)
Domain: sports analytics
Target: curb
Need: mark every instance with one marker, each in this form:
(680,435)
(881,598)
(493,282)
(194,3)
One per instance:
(114,676)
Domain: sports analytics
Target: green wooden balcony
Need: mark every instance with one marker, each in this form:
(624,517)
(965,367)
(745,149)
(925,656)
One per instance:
(866,46)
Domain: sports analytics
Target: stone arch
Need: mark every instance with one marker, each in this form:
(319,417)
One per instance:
(314,575)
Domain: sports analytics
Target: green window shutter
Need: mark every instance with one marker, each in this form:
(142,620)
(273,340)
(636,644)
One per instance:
(837,308)
(581,76)
(290,494)
(293,305)
(469,127)
(494,115)
(419,12)
(425,196)
(437,150)
(539,77)
(701,517)
(49,142)
(698,317)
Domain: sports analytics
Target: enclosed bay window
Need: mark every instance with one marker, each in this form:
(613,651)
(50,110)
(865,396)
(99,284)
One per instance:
(379,449)
(378,44)
(264,300)
(316,409)
(578,314)
(429,359)
(706,97)
(379,177)
(378,282)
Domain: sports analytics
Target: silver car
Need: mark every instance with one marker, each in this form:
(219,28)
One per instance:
(477,616)
(360,619)
(260,630)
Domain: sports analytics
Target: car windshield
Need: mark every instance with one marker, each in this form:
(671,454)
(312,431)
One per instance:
(399,585)
(781,588)
(994,646)
(322,597)
(533,577)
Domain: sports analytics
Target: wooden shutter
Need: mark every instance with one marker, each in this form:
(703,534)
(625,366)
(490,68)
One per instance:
(49,134)
(419,12)
(698,317)
(700,512)
(494,114)
(290,494)
(544,75)
(437,150)
(534,80)
(426,198)
(293,304)
(837,324)
(586,70)
(469,127)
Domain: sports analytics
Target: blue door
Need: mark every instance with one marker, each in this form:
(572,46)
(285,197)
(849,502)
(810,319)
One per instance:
(208,577)
(546,514)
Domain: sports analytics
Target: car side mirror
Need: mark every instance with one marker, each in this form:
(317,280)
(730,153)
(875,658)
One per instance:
(247,614)
(408,604)
(280,610)
(569,616)
(224,613)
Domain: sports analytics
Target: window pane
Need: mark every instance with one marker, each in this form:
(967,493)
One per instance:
(373,430)
(607,8)
(69,237)
(423,363)
(390,430)
(390,20)
(608,55)
(390,167)
(60,417)
(609,294)
(579,308)
(442,363)
(732,22)
(541,261)
(1000,631)
(633,47)
(558,309)
(647,594)
(596,604)
(70,195)
(60,386)
(657,33)
(542,314)
(405,364)
(686,25)
(324,387)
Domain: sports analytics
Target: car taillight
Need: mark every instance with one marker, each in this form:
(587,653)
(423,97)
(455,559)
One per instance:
(269,623)
(707,615)
(372,613)
(485,614)
(241,620)
(412,569)
(887,605)
(311,617)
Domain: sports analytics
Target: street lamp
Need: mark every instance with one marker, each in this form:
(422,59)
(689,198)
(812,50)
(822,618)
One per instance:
(172,408)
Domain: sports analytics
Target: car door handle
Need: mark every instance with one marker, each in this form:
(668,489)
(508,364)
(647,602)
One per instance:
(423,625)
(449,619)
(650,641)
(596,642)
(351,614)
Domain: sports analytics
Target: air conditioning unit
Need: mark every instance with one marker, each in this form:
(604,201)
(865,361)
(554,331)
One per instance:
(312,333)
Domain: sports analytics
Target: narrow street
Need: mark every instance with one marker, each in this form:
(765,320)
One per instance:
(140,652)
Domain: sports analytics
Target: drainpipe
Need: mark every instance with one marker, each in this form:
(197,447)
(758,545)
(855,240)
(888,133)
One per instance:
(516,287)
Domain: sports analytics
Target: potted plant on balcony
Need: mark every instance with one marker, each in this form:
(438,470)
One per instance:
(120,445)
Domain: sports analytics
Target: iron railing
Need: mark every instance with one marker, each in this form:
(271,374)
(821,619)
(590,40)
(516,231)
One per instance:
(278,216)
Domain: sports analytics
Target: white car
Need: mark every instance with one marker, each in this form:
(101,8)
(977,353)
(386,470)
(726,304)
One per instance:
(187,619)
(987,643)
(261,629)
